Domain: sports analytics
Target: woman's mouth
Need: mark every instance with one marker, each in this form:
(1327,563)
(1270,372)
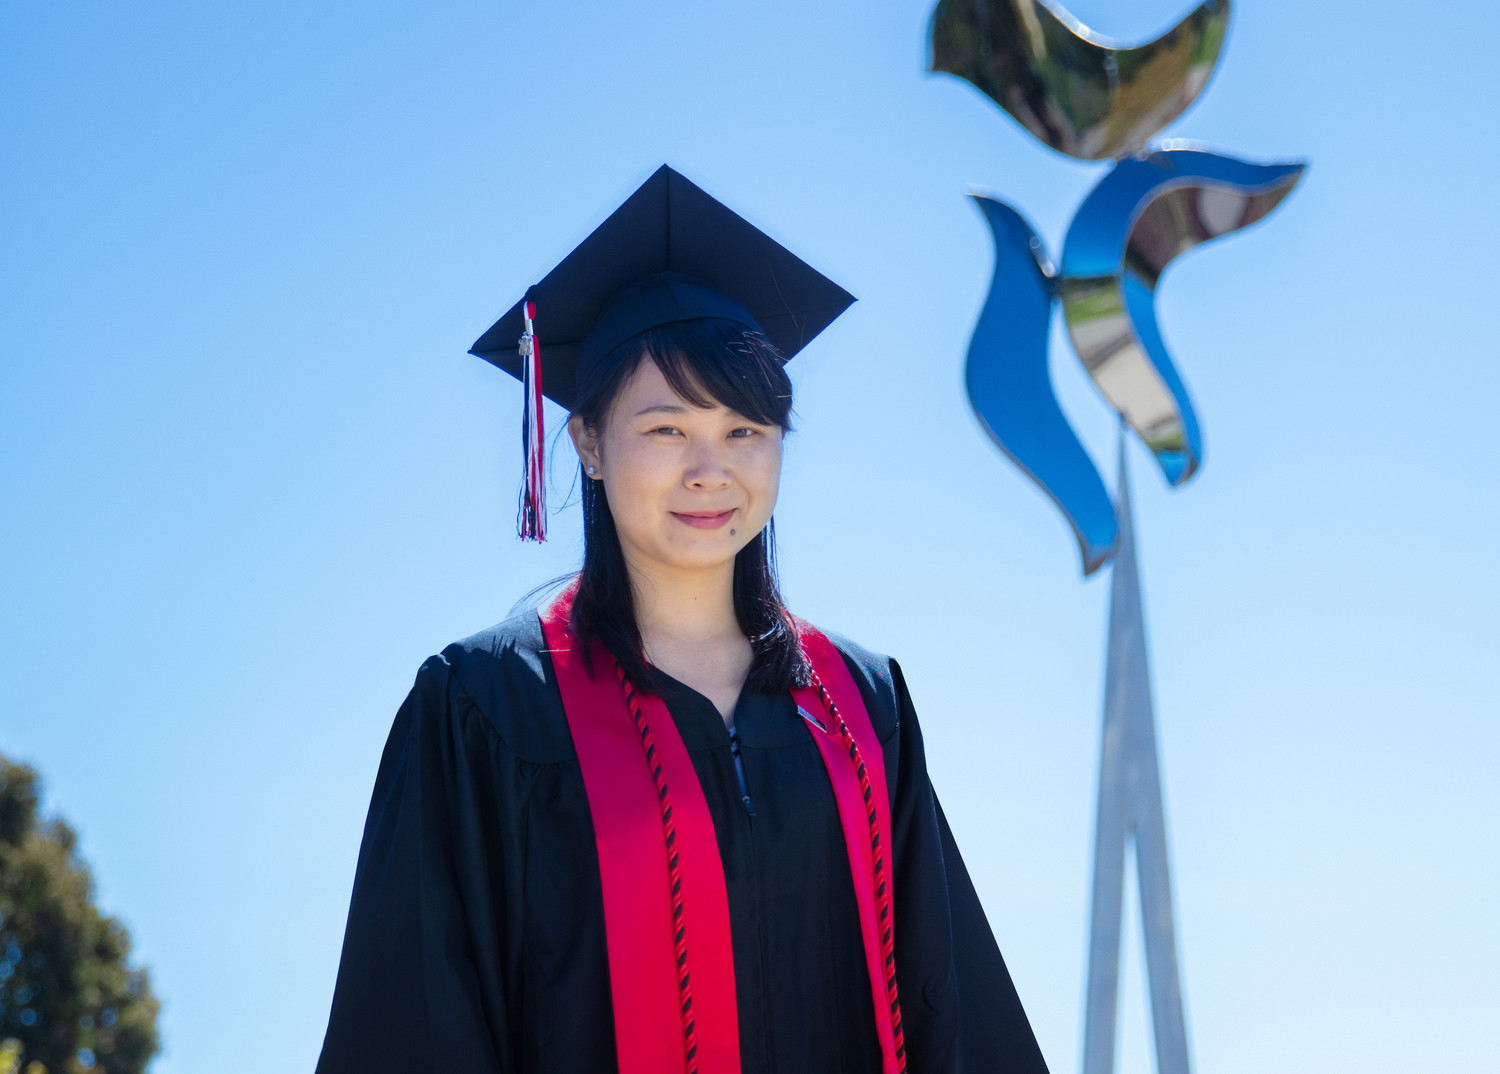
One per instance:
(704,520)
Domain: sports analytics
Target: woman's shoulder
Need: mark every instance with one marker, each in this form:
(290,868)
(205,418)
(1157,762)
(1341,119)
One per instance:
(515,644)
(878,678)
(504,673)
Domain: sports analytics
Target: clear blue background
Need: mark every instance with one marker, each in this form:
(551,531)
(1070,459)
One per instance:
(249,478)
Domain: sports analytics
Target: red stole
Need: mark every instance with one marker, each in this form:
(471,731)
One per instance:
(639,904)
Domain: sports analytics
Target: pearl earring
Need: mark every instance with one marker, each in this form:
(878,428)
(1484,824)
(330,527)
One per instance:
(593,469)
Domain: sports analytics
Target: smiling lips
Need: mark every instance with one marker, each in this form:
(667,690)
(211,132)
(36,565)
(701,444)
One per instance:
(704,520)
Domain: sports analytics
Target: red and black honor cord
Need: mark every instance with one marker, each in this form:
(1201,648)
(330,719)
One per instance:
(674,873)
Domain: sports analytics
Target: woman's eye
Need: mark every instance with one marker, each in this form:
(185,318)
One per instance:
(665,430)
(743,432)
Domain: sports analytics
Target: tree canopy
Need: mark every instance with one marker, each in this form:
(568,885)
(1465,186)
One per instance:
(70,1002)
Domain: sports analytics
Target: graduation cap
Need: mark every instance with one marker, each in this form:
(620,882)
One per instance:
(669,253)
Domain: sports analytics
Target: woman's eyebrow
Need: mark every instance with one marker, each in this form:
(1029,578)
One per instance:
(664,408)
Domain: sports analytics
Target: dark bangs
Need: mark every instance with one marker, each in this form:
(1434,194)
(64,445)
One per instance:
(708,362)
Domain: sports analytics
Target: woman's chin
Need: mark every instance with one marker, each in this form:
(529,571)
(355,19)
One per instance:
(703,561)
(700,551)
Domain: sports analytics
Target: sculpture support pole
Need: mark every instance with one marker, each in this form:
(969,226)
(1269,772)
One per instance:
(1130,810)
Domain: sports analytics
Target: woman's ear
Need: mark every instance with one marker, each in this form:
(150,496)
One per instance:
(586,443)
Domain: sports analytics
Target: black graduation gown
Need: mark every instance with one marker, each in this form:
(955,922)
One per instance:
(475,940)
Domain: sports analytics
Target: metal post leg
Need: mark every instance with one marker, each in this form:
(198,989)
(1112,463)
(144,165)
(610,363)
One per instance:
(1130,804)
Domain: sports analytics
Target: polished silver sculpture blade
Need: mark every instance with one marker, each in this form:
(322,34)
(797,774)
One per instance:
(1130,810)
(1140,216)
(1080,93)
(1010,386)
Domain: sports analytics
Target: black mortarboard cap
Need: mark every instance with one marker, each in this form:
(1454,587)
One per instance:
(669,253)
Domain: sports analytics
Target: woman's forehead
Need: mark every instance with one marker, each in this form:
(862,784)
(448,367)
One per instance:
(646,390)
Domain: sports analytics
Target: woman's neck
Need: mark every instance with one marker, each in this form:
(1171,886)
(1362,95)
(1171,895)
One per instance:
(690,631)
(693,604)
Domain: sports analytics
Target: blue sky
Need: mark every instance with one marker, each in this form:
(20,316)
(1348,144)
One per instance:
(250,479)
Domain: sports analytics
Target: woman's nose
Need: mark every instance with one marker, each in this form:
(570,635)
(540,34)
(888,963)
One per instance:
(707,467)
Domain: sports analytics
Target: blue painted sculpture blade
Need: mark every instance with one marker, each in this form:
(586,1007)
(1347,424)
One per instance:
(1145,212)
(1010,386)
(1077,91)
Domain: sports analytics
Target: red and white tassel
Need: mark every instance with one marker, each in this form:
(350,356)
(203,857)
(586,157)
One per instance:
(531,519)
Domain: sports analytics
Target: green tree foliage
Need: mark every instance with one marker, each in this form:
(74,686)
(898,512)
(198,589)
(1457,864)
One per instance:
(69,1001)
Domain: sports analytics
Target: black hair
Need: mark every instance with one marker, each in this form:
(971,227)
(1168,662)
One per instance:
(706,361)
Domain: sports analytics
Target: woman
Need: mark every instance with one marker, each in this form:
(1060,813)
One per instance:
(658,824)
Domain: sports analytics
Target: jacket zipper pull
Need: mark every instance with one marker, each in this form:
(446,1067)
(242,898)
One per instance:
(739,771)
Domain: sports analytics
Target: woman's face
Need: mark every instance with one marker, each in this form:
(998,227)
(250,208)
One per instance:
(688,486)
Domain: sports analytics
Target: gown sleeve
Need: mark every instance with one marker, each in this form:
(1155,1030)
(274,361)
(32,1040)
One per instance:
(959,1006)
(411,995)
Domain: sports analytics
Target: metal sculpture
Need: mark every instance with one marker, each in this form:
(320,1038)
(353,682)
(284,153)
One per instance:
(1010,386)
(1078,92)
(1093,99)
(1145,212)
